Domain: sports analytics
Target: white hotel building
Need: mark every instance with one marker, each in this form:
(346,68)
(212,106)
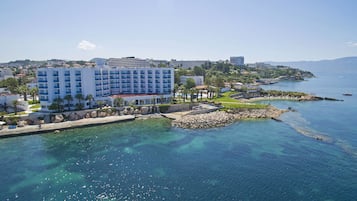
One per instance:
(137,86)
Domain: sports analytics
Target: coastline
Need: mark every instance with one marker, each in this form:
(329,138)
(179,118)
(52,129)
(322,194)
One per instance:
(46,128)
(223,118)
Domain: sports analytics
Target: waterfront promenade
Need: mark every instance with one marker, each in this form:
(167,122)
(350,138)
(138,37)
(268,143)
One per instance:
(35,129)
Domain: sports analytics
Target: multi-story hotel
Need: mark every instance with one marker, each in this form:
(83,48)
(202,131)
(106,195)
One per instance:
(137,86)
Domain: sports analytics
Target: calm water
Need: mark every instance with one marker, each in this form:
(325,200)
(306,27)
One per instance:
(149,160)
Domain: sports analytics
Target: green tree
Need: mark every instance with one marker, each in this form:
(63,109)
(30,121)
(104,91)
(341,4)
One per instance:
(15,103)
(79,105)
(90,98)
(23,89)
(33,92)
(198,71)
(176,87)
(56,104)
(219,82)
(190,83)
(10,83)
(118,102)
(100,104)
(69,99)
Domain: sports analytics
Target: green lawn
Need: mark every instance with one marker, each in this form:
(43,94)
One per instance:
(36,106)
(231,103)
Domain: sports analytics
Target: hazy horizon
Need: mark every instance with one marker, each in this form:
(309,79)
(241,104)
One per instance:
(274,30)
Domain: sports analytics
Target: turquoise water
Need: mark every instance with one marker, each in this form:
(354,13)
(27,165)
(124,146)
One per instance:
(149,160)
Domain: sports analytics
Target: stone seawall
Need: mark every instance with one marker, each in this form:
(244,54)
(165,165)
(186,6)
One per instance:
(221,118)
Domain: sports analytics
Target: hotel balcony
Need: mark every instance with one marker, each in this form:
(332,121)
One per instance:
(42,80)
(42,74)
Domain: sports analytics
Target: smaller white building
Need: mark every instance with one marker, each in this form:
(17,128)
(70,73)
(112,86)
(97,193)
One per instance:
(199,80)
(6,101)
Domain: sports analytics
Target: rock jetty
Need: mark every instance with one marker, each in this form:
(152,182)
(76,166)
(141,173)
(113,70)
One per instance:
(222,118)
(209,120)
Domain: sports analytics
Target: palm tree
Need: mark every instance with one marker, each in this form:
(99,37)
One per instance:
(197,92)
(118,102)
(79,97)
(34,92)
(23,89)
(210,92)
(192,93)
(100,104)
(15,103)
(90,98)
(69,99)
(57,104)
(185,92)
(176,88)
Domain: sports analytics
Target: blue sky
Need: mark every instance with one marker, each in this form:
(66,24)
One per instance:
(260,30)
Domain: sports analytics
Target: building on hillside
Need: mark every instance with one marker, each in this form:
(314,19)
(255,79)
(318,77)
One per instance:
(5,73)
(237,61)
(128,62)
(187,63)
(104,83)
(199,80)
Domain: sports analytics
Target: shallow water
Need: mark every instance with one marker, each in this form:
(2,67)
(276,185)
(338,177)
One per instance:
(149,160)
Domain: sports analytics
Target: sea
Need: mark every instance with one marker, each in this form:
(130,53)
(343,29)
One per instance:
(247,160)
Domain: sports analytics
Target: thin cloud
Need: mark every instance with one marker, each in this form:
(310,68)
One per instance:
(351,44)
(86,45)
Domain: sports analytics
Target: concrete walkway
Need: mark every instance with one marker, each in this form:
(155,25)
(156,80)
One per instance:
(34,129)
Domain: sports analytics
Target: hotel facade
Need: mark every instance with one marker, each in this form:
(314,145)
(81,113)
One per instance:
(135,85)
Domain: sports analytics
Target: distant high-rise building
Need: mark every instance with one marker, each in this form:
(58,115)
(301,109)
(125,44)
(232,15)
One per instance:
(238,61)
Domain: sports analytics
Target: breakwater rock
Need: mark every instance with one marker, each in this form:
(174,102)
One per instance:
(209,120)
(222,118)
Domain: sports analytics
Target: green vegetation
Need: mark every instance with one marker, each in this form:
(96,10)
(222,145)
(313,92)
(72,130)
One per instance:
(190,83)
(230,103)
(283,93)
(31,102)
(36,106)
(217,73)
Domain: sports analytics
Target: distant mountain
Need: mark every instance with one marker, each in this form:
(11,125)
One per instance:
(345,63)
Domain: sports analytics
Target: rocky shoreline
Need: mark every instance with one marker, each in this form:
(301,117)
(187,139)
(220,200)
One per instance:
(223,118)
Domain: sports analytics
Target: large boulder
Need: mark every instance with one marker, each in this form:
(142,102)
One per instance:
(57,118)
(102,114)
(144,110)
(93,114)
(87,115)
(73,117)
(125,112)
(21,123)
